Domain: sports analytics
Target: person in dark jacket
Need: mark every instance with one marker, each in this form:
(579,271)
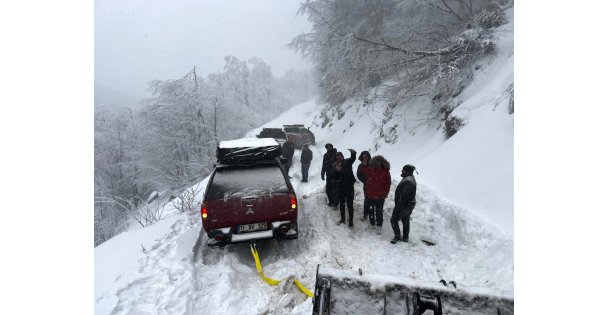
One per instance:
(342,171)
(405,202)
(332,181)
(377,188)
(305,159)
(328,159)
(362,169)
(287,152)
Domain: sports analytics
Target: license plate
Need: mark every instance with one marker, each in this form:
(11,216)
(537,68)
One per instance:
(252,227)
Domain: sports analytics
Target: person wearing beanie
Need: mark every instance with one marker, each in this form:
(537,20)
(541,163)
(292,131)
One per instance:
(405,202)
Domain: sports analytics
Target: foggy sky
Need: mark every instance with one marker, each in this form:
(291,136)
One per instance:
(141,40)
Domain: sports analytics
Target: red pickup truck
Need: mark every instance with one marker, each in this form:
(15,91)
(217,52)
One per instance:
(249,197)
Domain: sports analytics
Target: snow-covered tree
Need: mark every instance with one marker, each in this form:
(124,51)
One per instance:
(426,46)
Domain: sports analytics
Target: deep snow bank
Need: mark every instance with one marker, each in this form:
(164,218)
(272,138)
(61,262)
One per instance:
(474,168)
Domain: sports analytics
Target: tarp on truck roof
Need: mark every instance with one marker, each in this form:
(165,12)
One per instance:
(248,150)
(247,142)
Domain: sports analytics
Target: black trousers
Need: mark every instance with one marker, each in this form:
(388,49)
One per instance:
(287,166)
(346,196)
(366,207)
(376,216)
(332,190)
(305,168)
(404,217)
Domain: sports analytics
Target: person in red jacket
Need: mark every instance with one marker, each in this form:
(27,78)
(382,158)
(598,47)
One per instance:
(377,186)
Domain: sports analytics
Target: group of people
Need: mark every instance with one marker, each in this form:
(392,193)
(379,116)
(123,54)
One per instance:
(374,173)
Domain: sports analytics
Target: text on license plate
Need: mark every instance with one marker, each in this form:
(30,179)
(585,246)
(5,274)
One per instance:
(252,227)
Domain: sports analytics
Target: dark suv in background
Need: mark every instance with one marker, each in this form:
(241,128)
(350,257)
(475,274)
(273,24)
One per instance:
(275,133)
(299,135)
(249,197)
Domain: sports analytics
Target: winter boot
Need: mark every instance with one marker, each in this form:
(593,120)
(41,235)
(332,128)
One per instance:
(364,218)
(405,239)
(396,239)
(379,229)
(341,222)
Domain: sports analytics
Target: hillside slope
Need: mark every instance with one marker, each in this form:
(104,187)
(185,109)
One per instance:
(472,169)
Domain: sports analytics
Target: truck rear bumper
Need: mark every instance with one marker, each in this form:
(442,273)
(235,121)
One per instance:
(280,230)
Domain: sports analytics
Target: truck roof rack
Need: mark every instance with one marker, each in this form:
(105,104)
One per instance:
(248,151)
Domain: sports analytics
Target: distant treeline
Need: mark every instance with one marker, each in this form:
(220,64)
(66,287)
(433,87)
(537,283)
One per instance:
(169,141)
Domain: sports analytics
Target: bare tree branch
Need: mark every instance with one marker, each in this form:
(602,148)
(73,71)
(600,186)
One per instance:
(438,52)
(446,8)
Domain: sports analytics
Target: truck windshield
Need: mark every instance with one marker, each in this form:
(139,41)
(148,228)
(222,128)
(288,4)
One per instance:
(251,181)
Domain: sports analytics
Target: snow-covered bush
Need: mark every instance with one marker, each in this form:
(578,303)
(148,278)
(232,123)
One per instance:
(488,19)
(148,213)
(325,119)
(452,125)
(188,201)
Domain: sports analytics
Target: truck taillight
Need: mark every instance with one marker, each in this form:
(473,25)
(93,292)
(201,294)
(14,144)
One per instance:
(204,211)
(294,201)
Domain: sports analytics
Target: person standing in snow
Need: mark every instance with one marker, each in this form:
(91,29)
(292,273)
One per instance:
(333,182)
(362,169)
(405,202)
(287,152)
(305,159)
(342,172)
(328,160)
(377,188)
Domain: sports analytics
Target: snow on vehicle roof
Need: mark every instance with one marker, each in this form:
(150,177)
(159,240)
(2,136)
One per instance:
(248,143)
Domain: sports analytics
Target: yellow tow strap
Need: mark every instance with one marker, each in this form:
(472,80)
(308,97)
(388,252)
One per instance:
(302,288)
(271,281)
(258,265)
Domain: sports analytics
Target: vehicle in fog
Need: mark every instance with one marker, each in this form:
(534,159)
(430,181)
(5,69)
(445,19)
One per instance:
(275,133)
(299,135)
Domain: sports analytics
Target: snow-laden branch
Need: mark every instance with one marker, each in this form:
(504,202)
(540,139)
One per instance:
(438,52)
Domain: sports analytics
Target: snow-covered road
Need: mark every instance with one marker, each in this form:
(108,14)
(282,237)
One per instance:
(181,275)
